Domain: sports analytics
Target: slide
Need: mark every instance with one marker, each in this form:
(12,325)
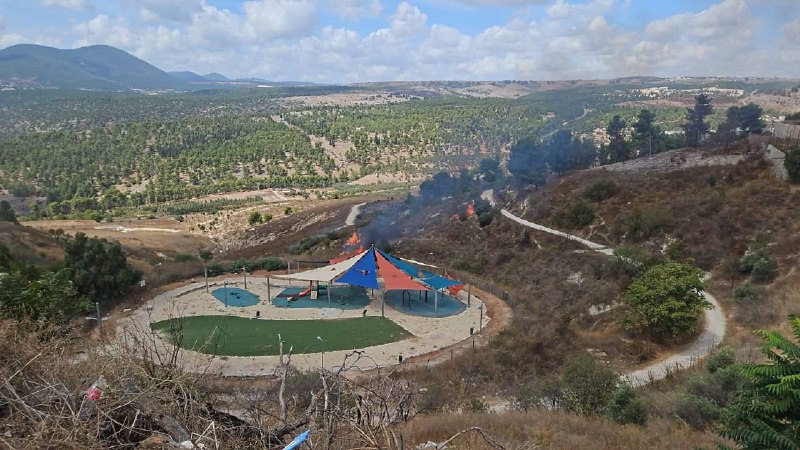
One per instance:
(302,294)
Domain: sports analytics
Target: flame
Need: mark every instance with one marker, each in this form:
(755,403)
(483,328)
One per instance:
(354,240)
(470,209)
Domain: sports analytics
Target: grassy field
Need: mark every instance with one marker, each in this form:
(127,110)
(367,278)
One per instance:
(240,336)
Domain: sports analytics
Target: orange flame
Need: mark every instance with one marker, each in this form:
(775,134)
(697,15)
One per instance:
(354,240)
(470,209)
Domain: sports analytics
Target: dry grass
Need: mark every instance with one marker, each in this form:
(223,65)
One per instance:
(556,430)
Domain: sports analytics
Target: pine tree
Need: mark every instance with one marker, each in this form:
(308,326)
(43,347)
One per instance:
(696,127)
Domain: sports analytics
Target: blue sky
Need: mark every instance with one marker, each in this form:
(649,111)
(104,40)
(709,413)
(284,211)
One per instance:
(380,40)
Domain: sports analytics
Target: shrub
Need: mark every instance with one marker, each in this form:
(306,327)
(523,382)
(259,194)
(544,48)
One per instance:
(587,385)
(723,357)
(792,164)
(644,223)
(271,264)
(757,261)
(665,301)
(215,269)
(626,407)
(579,214)
(748,293)
(485,219)
(185,258)
(698,412)
(601,190)
(633,261)
(255,218)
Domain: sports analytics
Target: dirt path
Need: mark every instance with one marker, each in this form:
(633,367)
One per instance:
(355,210)
(712,335)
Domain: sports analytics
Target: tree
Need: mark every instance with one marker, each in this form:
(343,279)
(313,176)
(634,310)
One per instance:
(666,300)
(626,406)
(7,213)
(696,128)
(792,164)
(587,387)
(488,168)
(645,134)
(743,120)
(528,162)
(618,148)
(766,412)
(255,218)
(98,269)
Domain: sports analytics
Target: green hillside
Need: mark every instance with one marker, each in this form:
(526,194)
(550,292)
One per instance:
(97,67)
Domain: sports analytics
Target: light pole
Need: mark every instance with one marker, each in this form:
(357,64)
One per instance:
(322,358)
(480,328)
(205,274)
(225,291)
(244,271)
(158,277)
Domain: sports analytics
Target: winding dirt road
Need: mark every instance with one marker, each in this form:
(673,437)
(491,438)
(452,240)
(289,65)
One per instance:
(712,335)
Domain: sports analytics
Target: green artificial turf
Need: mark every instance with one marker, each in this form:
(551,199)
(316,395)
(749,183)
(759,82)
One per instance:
(241,336)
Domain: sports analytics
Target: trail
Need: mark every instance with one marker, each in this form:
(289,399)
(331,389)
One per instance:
(354,212)
(712,335)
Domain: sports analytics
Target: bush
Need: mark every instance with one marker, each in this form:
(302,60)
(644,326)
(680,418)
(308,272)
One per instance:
(748,293)
(485,219)
(626,407)
(698,412)
(633,261)
(214,269)
(643,223)
(271,264)
(757,261)
(601,190)
(665,301)
(587,385)
(255,218)
(792,164)
(723,357)
(185,258)
(579,215)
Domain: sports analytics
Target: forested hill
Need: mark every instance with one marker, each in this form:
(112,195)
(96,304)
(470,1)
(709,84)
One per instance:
(97,67)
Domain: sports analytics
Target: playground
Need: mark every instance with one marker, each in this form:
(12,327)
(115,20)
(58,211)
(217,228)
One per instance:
(231,296)
(230,328)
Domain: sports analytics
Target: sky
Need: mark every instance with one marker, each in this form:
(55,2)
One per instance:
(346,41)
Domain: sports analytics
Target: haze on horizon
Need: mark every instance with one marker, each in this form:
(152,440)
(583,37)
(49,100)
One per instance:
(345,41)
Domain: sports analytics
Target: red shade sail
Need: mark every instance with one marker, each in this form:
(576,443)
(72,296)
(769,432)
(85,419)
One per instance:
(396,279)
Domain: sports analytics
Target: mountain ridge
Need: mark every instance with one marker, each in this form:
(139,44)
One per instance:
(96,67)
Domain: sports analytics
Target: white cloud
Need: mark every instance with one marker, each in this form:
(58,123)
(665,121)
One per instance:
(7,40)
(355,10)
(172,10)
(68,4)
(501,2)
(716,41)
(270,19)
(283,39)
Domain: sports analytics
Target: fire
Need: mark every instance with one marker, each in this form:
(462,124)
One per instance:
(470,209)
(354,240)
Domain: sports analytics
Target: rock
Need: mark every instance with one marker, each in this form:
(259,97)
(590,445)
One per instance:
(155,441)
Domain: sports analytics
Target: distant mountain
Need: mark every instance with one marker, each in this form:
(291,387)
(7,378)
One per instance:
(189,76)
(97,67)
(214,76)
(263,82)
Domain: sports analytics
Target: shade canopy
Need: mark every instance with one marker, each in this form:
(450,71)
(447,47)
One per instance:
(395,278)
(362,269)
(327,273)
(364,272)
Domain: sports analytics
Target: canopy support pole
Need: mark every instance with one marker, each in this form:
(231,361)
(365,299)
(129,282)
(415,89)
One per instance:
(327,289)
(269,294)
(435,302)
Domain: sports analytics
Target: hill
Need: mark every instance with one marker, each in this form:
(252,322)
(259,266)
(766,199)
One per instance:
(97,67)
